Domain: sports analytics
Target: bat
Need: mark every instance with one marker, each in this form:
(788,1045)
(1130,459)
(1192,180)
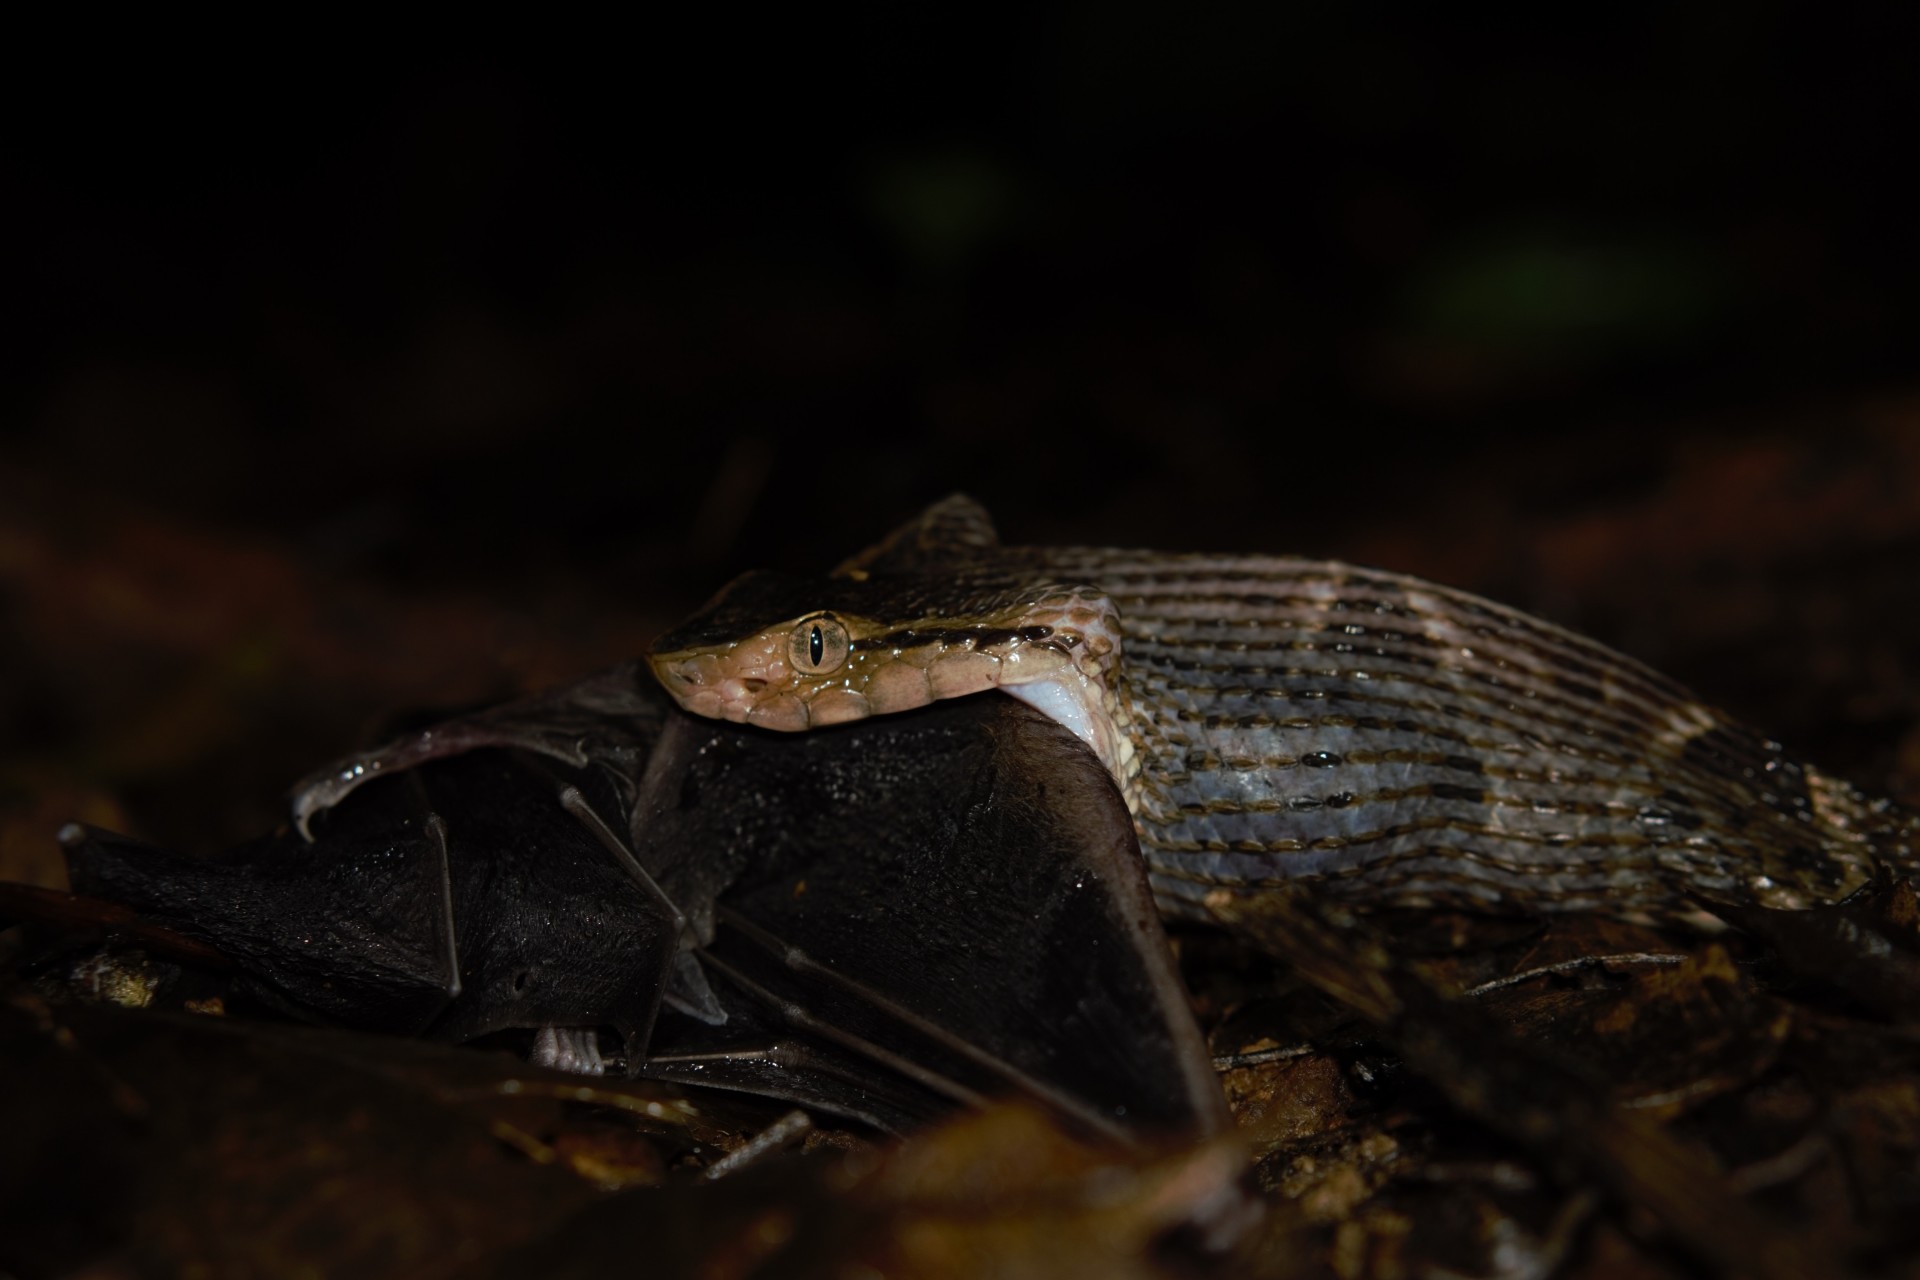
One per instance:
(881,923)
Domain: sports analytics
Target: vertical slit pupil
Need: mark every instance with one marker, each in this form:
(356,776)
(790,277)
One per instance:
(816,645)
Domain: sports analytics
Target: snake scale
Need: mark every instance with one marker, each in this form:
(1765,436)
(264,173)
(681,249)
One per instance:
(1272,720)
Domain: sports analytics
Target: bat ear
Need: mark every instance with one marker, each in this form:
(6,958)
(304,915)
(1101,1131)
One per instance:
(946,531)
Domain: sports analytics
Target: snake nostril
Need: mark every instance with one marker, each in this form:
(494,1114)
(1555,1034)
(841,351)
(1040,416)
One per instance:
(753,685)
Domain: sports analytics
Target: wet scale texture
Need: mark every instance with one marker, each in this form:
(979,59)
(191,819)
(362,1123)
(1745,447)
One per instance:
(1395,741)
(1416,745)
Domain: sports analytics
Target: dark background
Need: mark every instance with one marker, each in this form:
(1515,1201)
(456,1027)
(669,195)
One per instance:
(335,381)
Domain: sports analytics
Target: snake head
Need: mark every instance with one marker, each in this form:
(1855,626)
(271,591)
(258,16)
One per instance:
(792,653)
(770,650)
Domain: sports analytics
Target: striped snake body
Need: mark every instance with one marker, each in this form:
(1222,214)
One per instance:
(1271,719)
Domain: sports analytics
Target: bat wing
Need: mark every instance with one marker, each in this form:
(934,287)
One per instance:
(952,898)
(891,920)
(454,898)
(610,719)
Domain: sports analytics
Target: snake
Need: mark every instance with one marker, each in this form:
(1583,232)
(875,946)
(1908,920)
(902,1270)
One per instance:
(1273,721)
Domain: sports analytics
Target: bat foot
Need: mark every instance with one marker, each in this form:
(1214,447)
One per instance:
(572,1049)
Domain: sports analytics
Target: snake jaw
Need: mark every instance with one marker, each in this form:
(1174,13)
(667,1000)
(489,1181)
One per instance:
(784,712)
(898,686)
(1060,665)
(959,672)
(744,683)
(753,682)
(837,706)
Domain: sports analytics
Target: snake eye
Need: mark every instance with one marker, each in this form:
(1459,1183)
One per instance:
(818,645)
